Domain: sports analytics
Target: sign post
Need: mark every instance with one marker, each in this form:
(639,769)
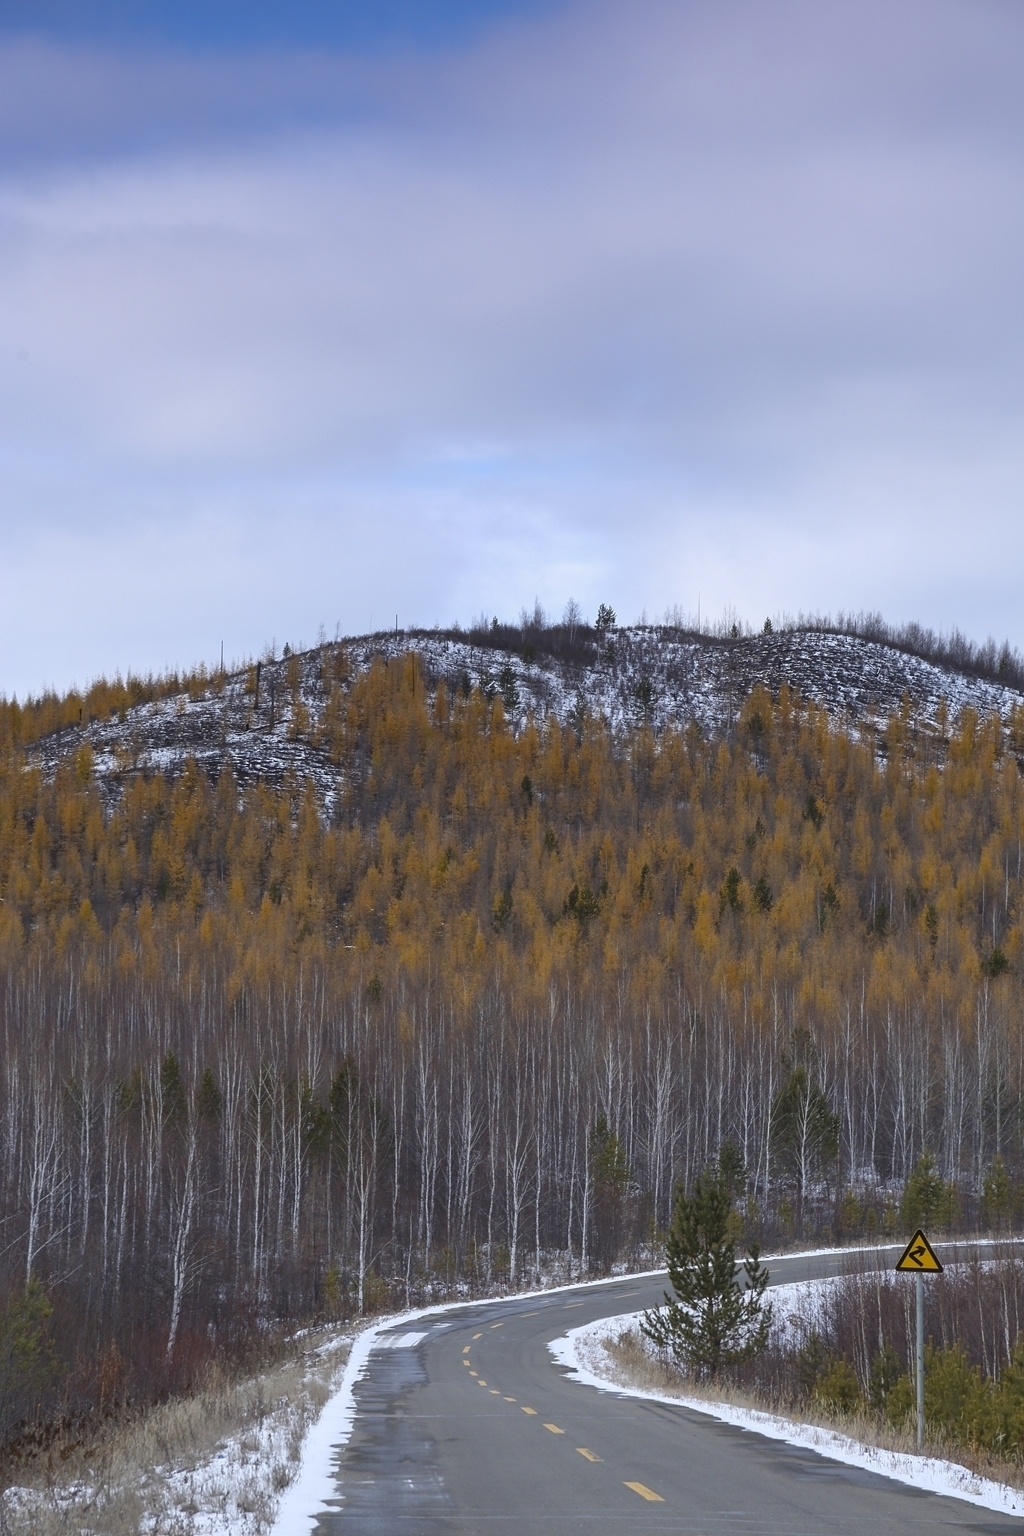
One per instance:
(919,1259)
(919,1282)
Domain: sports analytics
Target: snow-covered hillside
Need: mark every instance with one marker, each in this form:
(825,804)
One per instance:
(661,674)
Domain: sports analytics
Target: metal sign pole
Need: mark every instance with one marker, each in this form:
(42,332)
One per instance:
(920,1360)
(919,1258)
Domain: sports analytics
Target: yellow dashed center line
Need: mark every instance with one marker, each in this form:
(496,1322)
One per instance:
(646,1493)
(478,1335)
(481,1382)
(497,1325)
(495,1392)
(570,1304)
(530,1410)
(554,1429)
(588,1454)
(530,1314)
(466,1348)
(510,1399)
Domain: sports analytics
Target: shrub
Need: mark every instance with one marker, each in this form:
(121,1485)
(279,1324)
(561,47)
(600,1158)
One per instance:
(27,1362)
(837,1390)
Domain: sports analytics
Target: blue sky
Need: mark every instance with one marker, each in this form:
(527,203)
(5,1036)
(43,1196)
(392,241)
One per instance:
(312,315)
(231,24)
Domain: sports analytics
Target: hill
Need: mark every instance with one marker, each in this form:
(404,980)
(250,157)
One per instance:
(276,722)
(392,971)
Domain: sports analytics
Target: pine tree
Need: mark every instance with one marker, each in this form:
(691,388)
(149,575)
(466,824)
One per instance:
(611,1174)
(922,1194)
(509,687)
(27,1362)
(712,1321)
(805,1130)
(997,1196)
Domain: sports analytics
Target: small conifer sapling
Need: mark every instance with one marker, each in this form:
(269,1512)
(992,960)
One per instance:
(713,1320)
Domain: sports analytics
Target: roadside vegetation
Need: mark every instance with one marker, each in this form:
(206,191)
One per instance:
(842,1356)
(216,1460)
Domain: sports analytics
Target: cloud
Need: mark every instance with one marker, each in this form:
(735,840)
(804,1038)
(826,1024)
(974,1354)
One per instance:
(636,302)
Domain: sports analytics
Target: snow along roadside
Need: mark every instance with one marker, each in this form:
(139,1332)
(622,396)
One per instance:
(316,1480)
(582,1351)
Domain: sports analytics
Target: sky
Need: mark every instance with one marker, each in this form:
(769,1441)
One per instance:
(319,317)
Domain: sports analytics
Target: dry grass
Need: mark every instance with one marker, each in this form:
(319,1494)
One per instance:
(213,1463)
(629,1361)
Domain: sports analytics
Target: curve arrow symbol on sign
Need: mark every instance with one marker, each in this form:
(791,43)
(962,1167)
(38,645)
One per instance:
(919,1256)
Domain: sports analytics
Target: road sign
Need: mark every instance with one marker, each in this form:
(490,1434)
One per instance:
(919,1257)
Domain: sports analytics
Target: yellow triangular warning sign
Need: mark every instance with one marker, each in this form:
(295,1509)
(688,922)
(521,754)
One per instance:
(919,1256)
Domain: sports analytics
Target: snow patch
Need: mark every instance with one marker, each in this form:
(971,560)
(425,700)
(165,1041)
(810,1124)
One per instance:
(316,1483)
(581,1351)
(401,1341)
(663,674)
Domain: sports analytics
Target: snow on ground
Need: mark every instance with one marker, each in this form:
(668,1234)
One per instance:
(660,673)
(235,1491)
(316,1482)
(317,1478)
(213,1465)
(273,1476)
(582,1352)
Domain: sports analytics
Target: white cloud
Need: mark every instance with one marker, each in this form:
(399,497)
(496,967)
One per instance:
(636,302)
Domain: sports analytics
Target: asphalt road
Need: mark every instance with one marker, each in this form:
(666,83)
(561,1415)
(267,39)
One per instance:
(464,1425)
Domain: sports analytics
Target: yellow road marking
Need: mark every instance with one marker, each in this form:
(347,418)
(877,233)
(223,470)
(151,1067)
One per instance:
(554,1429)
(466,1348)
(510,1399)
(530,1410)
(570,1304)
(530,1314)
(588,1454)
(466,1364)
(495,1392)
(646,1493)
(472,1373)
(478,1335)
(497,1325)
(481,1382)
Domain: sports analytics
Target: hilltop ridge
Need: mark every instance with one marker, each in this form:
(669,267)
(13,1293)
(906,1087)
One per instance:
(265,719)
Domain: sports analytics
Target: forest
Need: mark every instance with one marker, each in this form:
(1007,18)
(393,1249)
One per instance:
(260,1065)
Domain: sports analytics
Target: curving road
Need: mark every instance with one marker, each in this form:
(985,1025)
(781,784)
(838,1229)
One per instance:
(465,1426)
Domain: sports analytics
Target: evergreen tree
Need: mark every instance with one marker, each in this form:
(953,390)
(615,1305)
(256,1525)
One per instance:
(997,1195)
(922,1194)
(712,1320)
(643,701)
(732,1175)
(27,1362)
(209,1101)
(805,1132)
(509,688)
(172,1090)
(611,1174)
